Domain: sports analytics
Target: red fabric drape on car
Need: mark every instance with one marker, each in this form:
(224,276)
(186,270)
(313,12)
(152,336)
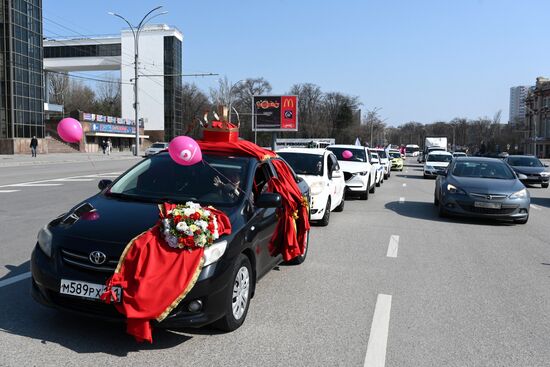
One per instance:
(155,277)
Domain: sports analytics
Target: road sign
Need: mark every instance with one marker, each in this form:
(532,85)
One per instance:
(275,113)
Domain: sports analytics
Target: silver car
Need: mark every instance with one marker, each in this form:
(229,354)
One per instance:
(156,148)
(482,187)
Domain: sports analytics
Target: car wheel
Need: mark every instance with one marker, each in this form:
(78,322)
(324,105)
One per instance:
(436,200)
(365,194)
(425,176)
(326,217)
(340,207)
(238,296)
(544,185)
(373,188)
(521,221)
(300,259)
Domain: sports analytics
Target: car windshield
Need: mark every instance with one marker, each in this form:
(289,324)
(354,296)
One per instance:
(158,145)
(496,170)
(524,162)
(217,180)
(395,155)
(357,155)
(381,153)
(304,164)
(459,154)
(439,157)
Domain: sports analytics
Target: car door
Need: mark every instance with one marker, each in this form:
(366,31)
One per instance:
(263,222)
(337,182)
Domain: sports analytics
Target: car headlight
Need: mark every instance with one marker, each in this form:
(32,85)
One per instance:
(316,188)
(214,252)
(519,194)
(455,190)
(545,174)
(44,239)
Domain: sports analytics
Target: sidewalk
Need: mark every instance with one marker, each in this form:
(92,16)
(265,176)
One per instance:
(58,158)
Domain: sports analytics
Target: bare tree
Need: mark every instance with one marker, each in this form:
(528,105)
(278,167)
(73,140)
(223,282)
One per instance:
(194,104)
(220,96)
(108,97)
(58,86)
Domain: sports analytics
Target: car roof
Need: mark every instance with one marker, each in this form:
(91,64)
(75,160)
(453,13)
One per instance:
(349,146)
(439,152)
(521,156)
(316,151)
(478,159)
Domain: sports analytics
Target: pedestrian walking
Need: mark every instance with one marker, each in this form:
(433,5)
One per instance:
(34,145)
(109,146)
(103,146)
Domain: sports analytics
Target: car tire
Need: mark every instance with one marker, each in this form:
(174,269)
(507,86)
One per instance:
(544,185)
(425,176)
(242,282)
(441,211)
(300,259)
(436,200)
(365,194)
(373,188)
(521,221)
(340,207)
(323,222)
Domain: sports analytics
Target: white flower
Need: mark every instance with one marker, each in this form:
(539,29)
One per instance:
(201,241)
(202,224)
(181,226)
(166,223)
(207,213)
(188,211)
(192,205)
(188,232)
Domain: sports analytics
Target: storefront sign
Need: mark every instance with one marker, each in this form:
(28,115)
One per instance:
(115,129)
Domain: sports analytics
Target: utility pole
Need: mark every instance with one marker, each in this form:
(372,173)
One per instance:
(136,31)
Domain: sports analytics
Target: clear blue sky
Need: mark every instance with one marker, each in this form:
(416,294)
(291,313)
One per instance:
(419,60)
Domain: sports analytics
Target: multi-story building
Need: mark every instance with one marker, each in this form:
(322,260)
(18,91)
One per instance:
(21,77)
(517,104)
(537,119)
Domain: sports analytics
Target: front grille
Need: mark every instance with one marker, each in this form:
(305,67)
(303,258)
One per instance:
(94,307)
(503,211)
(486,196)
(348,176)
(80,260)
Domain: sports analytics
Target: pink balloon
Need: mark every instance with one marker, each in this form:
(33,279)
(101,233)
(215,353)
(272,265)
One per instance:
(347,154)
(185,151)
(69,130)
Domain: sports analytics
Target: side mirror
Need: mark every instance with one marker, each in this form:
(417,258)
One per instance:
(269,200)
(521,176)
(103,184)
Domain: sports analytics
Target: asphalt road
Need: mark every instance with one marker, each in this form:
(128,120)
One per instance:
(387,280)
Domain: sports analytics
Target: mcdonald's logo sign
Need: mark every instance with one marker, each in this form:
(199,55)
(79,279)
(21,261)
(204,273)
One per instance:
(288,103)
(275,113)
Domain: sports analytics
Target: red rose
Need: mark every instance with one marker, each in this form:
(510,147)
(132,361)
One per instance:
(181,240)
(177,219)
(190,241)
(211,227)
(195,216)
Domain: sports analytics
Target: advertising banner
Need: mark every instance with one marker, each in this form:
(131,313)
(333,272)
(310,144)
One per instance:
(275,113)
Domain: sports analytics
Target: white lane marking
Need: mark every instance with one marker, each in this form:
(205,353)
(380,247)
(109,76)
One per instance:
(536,207)
(404,185)
(36,184)
(73,179)
(7,191)
(14,279)
(393,246)
(401,200)
(378,337)
(45,182)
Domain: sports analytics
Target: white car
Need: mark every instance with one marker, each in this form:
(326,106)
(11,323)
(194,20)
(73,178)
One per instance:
(436,161)
(156,148)
(359,173)
(384,161)
(380,171)
(459,154)
(320,169)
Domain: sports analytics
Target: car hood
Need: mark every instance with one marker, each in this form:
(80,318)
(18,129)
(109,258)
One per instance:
(353,167)
(486,185)
(528,170)
(115,221)
(310,179)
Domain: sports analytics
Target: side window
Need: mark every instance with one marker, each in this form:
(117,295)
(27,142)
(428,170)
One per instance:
(261,178)
(334,161)
(330,164)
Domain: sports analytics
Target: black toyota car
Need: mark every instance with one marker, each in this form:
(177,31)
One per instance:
(81,248)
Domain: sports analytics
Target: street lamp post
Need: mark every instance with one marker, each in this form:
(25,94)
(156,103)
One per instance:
(136,32)
(229,96)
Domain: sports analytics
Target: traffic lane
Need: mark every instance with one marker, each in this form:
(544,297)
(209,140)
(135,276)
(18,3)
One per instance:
(318,313)
(469,292)
(12,175)
(23,213)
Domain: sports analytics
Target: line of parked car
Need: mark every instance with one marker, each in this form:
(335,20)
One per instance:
(340,170)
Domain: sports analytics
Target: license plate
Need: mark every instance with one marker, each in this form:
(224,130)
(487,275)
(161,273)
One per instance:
(487,205)
(85,289)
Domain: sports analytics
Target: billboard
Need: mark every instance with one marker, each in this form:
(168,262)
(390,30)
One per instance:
(275,113)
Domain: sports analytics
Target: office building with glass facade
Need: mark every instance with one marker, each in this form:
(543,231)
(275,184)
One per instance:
(21,73)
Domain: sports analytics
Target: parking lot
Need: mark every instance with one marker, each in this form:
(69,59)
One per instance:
(387,279)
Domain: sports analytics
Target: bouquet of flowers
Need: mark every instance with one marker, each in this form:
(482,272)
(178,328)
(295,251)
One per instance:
(190,226)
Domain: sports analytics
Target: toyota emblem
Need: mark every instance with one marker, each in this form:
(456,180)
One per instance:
(97,257)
